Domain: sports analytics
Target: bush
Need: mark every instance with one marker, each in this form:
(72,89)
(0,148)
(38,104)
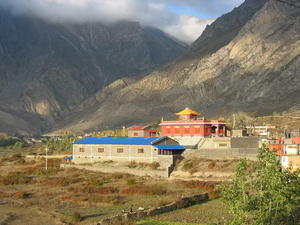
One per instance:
(154,165)
(15,178)
(211,165)
(132,164)
(187,165)
(22,195)
(142,189)
(76,217)
(131,181)
(7,142)
(18,145)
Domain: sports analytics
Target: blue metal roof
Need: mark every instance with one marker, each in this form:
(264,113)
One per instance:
(170,147)
(117,140)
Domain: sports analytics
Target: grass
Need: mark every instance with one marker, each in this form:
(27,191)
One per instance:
(154,222)
(207,213)
(60,195)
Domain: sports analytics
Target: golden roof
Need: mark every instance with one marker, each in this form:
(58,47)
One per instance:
(187,111)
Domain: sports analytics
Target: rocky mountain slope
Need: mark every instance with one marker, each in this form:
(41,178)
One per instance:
(248,60)
(46,70)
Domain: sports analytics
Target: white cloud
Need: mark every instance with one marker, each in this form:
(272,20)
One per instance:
(188,29)
(147,12)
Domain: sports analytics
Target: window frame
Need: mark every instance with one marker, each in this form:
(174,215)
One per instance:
(141,151)
(101,150)
(120,150)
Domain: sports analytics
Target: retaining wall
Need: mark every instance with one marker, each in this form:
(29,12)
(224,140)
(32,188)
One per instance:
(137,172)
(182,203)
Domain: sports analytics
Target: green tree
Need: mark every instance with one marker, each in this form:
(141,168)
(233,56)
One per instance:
(263,193)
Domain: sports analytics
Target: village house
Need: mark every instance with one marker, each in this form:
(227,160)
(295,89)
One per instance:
(163,150)
(288,149)
(142,131)
(260,130)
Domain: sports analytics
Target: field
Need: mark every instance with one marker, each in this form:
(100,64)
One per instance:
(31,195)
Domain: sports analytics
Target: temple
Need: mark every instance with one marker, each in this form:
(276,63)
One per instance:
(189,124)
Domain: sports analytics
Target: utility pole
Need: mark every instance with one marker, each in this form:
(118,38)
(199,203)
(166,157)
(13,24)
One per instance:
(46,158)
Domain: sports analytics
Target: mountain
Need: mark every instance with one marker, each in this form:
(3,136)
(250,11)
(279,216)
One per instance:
(247,60)
(47,70)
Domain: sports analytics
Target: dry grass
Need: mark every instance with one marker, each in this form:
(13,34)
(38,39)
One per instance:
(153,166)
(15,178)
(142,189)
(95,195)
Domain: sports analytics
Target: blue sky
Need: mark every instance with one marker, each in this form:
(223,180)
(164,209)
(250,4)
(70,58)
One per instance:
(203,8)
(187,11)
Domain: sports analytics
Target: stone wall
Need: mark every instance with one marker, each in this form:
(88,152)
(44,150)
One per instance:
(215,143)
(137,172)
(250,153)
(180,204)
(245,142)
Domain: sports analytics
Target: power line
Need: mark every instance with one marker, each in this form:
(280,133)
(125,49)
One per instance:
(289,3)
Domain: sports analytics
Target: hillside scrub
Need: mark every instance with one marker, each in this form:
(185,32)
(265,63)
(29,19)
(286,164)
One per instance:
(263,193)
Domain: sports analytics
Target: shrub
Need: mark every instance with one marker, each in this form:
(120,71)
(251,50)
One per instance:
(204,185)
(154,165)
(22,195)
(213,194)
(20,162)
(211,165)
(76,217)
(56,181)
(142,189)
(15,178)
(18,145)
(118,176)
(132,164)
(187,165)
(94,182)
(131,181)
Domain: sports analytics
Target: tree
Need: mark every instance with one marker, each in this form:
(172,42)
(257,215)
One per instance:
(262,193)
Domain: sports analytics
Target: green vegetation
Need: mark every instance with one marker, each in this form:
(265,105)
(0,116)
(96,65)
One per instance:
(153,222)
(63,144)
(113,133)
(263,194)
(211,212)
(10,142)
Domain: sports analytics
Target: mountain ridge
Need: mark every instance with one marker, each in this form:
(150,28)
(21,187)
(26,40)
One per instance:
(257,71)
(47,69)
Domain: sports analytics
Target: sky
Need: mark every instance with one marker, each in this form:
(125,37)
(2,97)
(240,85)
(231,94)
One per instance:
(183,19)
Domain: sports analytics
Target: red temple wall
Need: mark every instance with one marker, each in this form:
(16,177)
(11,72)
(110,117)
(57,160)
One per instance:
(186,130)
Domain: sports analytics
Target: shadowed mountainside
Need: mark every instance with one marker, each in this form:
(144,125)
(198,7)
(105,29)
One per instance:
(46,70)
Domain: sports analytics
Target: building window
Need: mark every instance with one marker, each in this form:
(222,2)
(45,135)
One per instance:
(186,130)
(120,150)
(100,150)
(141,150)
(135,134)
(81,149)
(177,131)
(223,145)
(197,130)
